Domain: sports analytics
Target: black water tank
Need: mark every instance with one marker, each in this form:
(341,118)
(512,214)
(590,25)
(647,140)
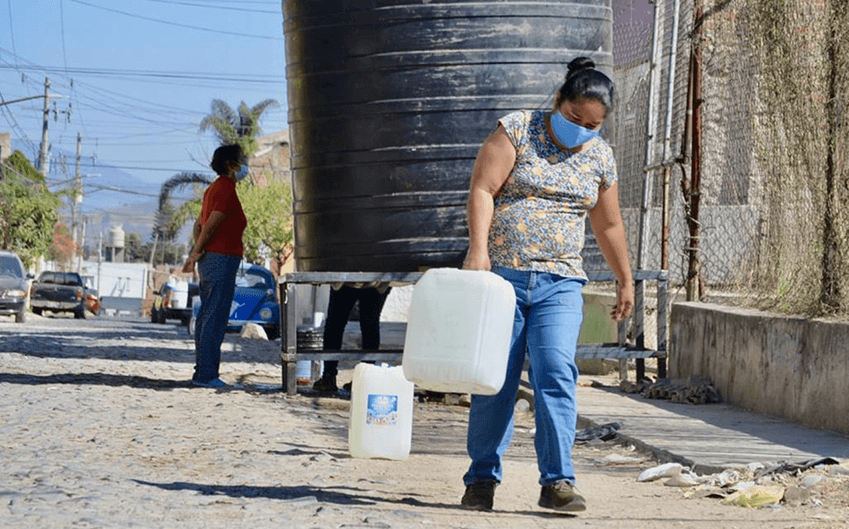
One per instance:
(389,101)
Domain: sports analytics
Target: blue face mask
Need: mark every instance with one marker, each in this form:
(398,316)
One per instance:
(570,134)
(243,172)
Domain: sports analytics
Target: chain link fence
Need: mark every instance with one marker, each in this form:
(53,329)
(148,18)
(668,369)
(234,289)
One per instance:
(733,148)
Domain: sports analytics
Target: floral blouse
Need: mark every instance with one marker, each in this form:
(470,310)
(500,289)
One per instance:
(538,223)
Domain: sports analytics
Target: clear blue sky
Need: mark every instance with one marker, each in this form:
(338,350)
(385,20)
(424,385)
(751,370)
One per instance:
(139,76)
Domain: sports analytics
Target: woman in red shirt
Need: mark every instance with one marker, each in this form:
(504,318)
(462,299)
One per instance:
(217,251)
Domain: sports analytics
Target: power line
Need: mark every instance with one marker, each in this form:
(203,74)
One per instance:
(134,168)
(258,2)
(120,190)
(62,25)
(13,124)
(11,26)
(160,106)
(173,127)
(202,76)
(146,144)
(137,116)
(177,24)
(109,162)
(174,2)
(121,108)
(73,92)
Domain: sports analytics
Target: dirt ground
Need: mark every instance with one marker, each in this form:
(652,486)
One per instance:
(100,428)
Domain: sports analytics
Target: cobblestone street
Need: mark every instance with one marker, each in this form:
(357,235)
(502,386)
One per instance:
(102,429)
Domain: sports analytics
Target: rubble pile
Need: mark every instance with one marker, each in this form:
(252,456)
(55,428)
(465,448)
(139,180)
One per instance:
(694,390)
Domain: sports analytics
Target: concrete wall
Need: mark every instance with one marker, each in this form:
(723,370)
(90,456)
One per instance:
(795,368)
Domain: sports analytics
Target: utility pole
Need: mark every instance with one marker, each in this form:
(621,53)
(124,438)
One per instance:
(42,158)
(82,246)
(77,196)
(99,259)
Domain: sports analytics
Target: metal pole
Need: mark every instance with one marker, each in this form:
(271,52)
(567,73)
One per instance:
(667,136)
(99,260)
(670,86)
(651,135)
(694,267)
(77,197)
(651,131)
(82,246)
(42,157)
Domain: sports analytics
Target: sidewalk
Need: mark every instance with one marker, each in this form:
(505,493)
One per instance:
(706,437)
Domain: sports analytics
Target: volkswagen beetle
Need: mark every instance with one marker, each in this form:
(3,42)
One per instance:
(254,301)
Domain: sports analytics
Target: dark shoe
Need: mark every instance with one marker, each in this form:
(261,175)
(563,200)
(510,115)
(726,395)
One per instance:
(478,496)
(326,384)
(215,383)
(561,496)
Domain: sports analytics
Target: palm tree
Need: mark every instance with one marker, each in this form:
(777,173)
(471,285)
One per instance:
(239,127)
(170,219)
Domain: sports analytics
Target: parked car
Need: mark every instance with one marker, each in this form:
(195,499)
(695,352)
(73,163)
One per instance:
(173,301)
(59,292)
(13,286)
(254,301)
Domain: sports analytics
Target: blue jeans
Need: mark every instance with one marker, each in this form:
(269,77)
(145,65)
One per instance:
(549,311)
(217,284)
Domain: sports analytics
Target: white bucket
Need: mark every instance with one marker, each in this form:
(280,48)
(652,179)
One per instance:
(381,420)
(458,332)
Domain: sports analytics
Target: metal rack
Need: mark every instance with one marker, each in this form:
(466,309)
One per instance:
(290,352)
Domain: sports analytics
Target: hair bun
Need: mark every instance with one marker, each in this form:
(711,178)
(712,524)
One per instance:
(579,63)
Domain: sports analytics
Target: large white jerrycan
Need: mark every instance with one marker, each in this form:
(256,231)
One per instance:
(381,420)
(180,294)
(458,331)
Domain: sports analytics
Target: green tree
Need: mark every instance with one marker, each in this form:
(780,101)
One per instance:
(231,126)
(269,212)
(29,210)
(18,163)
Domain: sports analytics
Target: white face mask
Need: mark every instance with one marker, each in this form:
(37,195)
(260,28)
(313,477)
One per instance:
(241,173)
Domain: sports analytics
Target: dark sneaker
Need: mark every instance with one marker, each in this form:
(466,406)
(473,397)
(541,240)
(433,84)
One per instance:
(478,496)
(561,496)
(326,384)
(215,383)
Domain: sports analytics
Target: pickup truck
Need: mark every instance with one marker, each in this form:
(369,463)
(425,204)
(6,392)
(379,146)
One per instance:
(59,292)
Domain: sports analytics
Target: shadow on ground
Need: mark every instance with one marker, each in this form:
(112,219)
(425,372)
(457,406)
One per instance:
(106,379)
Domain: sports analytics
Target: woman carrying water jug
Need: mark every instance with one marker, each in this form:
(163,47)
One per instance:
(536,178)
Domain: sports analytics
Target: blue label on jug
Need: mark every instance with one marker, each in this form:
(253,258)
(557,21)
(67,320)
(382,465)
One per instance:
(382,410)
